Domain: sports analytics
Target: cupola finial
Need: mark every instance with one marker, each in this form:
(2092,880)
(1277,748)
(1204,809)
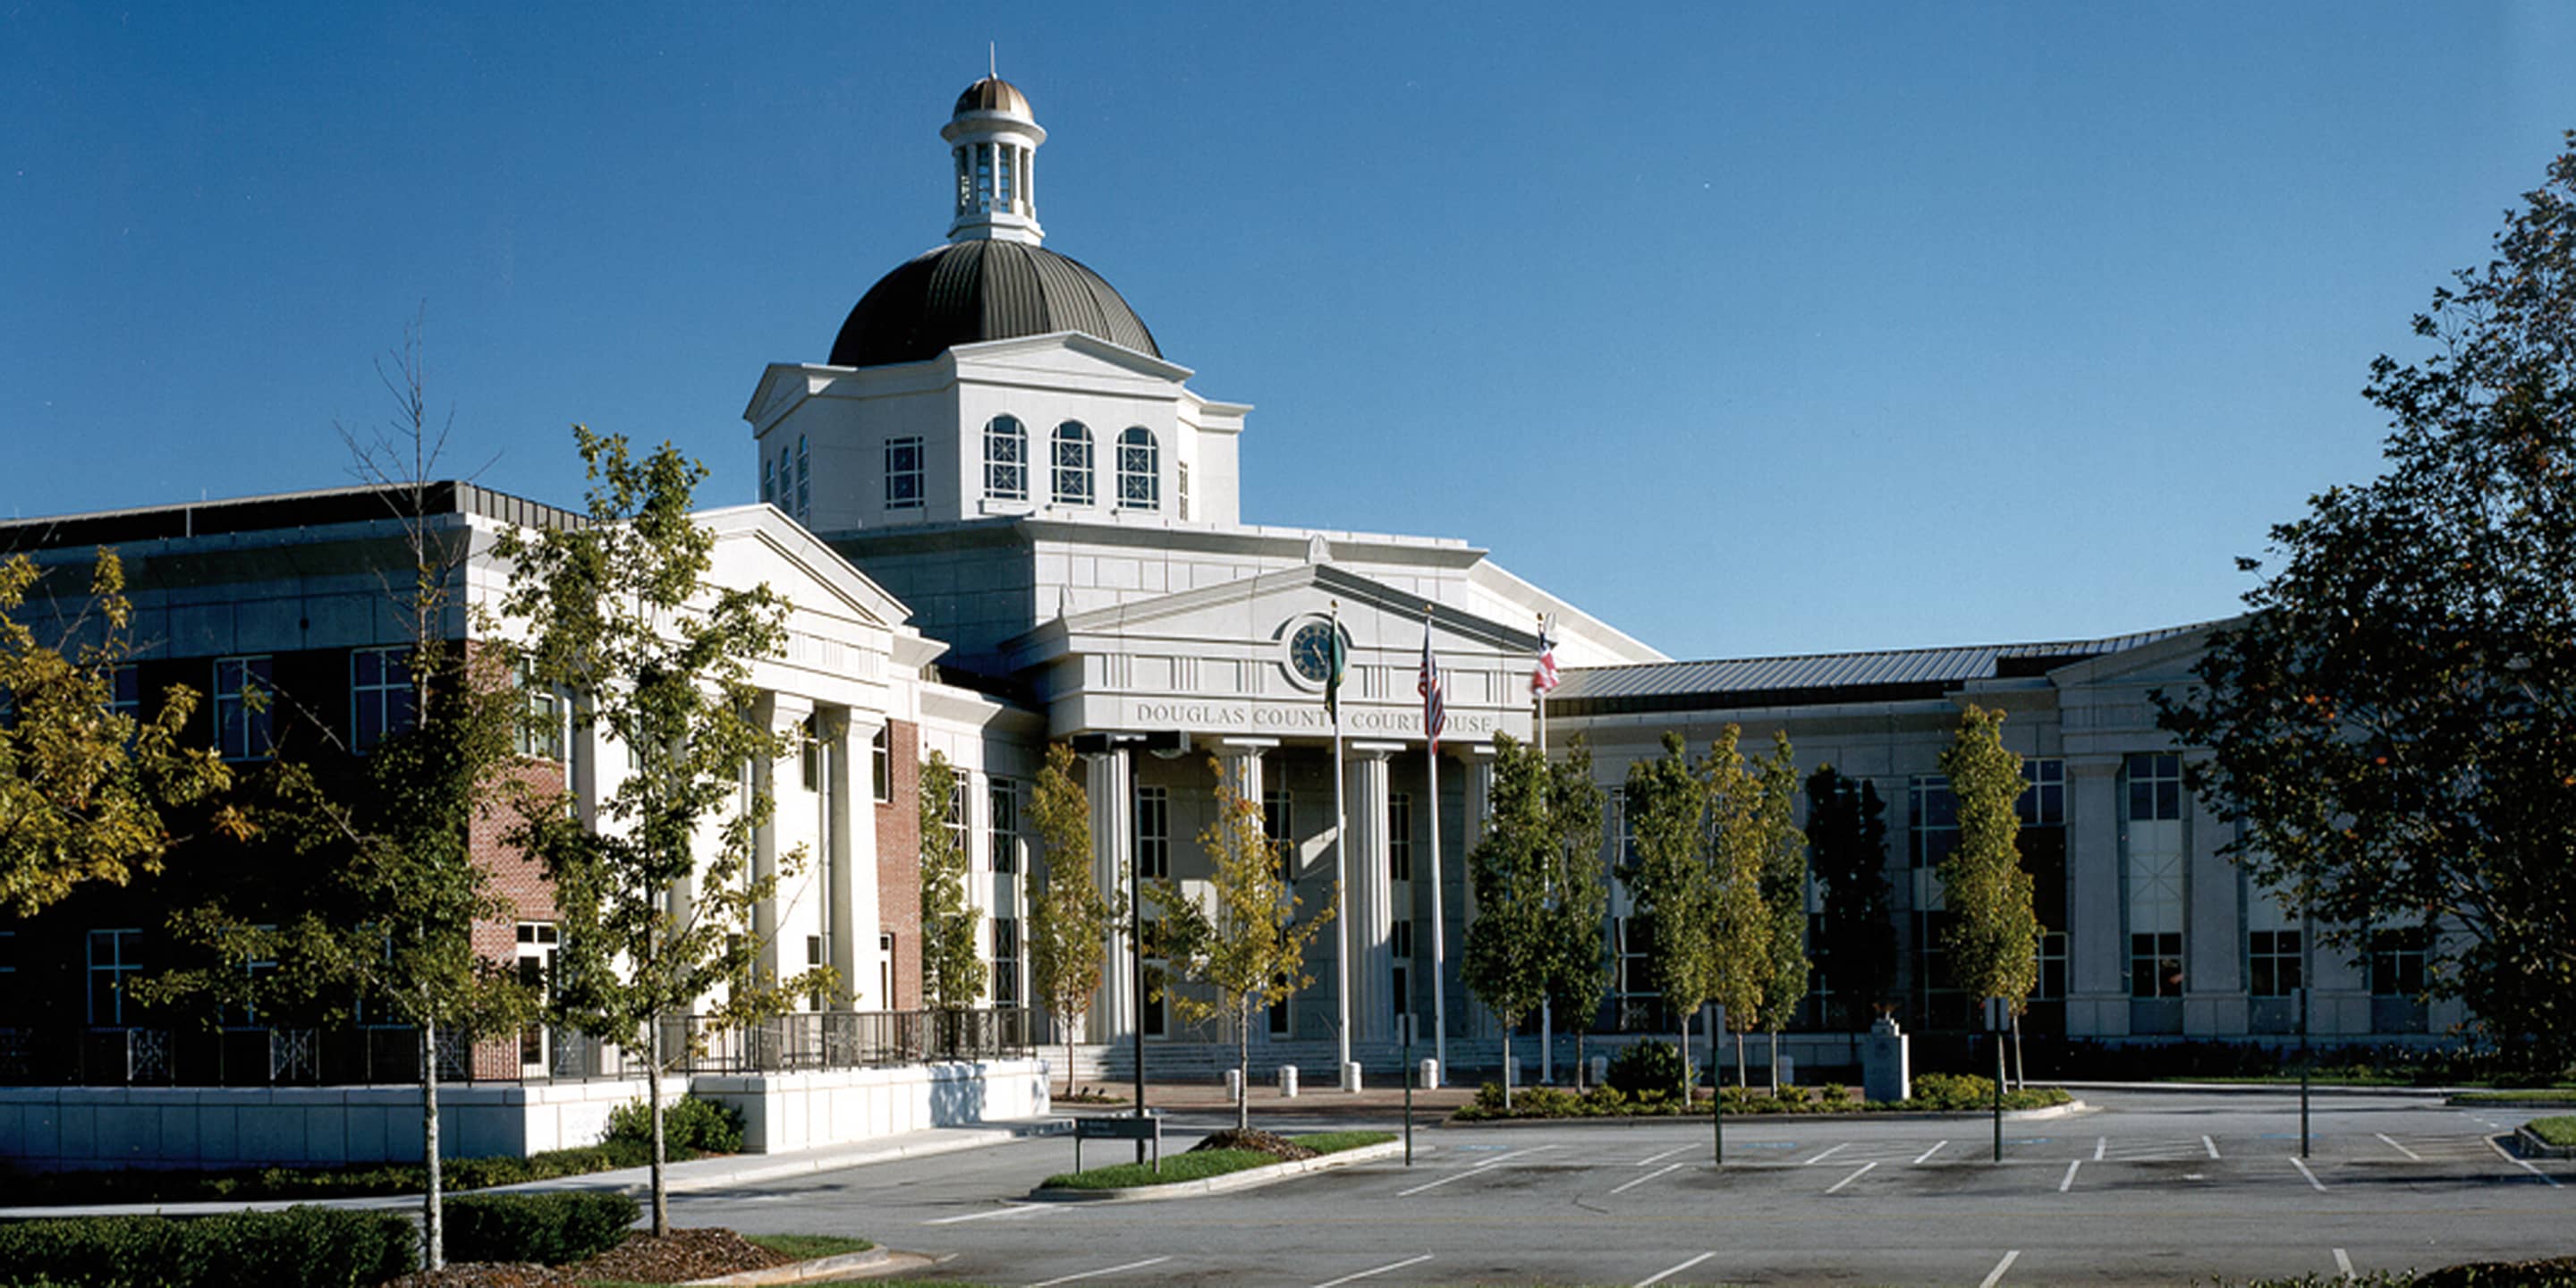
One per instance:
(993,138)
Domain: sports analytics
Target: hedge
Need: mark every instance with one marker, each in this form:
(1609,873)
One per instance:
(307,1246)
(556,1229)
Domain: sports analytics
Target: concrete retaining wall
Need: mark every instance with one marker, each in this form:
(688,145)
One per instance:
(790,1111)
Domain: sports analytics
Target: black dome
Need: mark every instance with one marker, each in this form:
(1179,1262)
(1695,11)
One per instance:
(969,291)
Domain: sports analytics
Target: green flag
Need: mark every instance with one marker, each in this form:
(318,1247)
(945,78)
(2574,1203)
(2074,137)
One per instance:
(1334,655)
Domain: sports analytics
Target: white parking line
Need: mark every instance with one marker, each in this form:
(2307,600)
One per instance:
(1094,1274)
(2068,1181)
(2545,1177)
(1936,1148)
(1864,1171)
(1648,1177)
(2101,1144)
(1396,1265)
(1996,1275)
(2210,1145)
(1827,1154)
(1661,1275)
(2313,1182)
(1470,1171)
(1012,1209)
(1649,1162)
(2343,1264)
(2411,1155)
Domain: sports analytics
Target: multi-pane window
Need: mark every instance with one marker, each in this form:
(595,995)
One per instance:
(804,481)
(1623,832)
(2155,964)
(1935,818)
(903,473)
(380,695)
(2155,786)
(958,816)
(537,943)
(881,763)
(768,480)
(115,960)
(1399,836)
(2051,986)
(810,754)
(2042,802)
(1002,824)
(244,708)
(1140,470)
(1006,459)
(814,1000)
(2397,961)
(1006,961)
(541,728)
(125,696)
(1153,833)
(1279,826)
(1633,942)
(1181,479)
(2272,962)
(1072,464)
(1399,941)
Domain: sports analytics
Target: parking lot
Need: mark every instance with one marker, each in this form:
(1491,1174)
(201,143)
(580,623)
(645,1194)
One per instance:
(2147,1188)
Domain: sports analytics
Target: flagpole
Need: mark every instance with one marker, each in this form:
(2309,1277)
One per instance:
(1439,919)
(1546,1005)
(1341,880)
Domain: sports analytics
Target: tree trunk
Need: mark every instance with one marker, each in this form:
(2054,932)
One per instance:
(1581,1069)
(433,1220)
(653,1099)
(1741,1078)
(1775,1064)
(1686,1064)
(1508,1026)
(1243,1068)
(2021,1071)
(1068,1056)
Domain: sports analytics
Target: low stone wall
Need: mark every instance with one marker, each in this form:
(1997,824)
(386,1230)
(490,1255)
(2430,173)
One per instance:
(50,1128)
(792,1111)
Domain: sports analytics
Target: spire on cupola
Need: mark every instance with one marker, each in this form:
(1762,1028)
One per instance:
(994,140)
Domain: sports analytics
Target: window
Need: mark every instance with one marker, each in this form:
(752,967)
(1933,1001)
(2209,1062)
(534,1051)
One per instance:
(1072,464)
(1181,477)
(2397,961)
(115,958)
(1006,961)
(2272,962)
(768,480)
(8,953)
(1400,944)
(2042,802)
(1640,1003)
(2155,964)
(126,697)
(885,972)
(903,473)
(537,942)
(2155,787)
(1153,833)
(541,732)
(881,763)
(1935,819)
(243,707)
(252,969)
(810,753)
(959,817)
(815,1000)
(1399,836)
(1140,470)
(1623,835)
(1002,821)
(804,477)
(1279,824)
(1006,459)
(380,695)
(1157,1018)
(2052,967)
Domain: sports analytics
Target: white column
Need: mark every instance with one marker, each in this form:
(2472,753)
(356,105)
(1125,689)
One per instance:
(1239,759)
(851,937)
(1372,896)
(1113,821)
(772,924)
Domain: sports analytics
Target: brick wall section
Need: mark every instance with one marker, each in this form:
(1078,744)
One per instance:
(520,880)
(899,861)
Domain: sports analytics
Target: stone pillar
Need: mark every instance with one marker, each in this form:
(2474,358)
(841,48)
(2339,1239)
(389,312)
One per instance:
(784,715)
(851,940)
(1370,919)
(1107,786)
(1239,760)
(2097,945)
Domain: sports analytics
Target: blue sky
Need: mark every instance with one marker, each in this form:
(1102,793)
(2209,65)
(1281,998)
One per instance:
(1752,329)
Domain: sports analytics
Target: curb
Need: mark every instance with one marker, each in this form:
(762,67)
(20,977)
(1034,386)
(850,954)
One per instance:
(2530,1145)
(1248,1178)
(797,1272)
(2067,1110)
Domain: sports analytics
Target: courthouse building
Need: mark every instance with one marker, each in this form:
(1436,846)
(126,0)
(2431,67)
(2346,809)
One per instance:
(1005,517)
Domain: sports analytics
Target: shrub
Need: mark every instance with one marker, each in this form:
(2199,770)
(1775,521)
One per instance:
(557,1229)
(1646,1068)
(321,1247)
(707,1126)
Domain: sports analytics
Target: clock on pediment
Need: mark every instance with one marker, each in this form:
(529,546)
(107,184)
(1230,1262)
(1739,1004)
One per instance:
(1310,653)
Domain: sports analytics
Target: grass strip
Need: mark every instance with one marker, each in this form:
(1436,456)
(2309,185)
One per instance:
(2526,1096)
(1200,1164)
(806,1247)
(2560,1130)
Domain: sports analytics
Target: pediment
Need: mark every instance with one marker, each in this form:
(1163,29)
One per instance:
(1262,608)
(1064,354)
(756,543)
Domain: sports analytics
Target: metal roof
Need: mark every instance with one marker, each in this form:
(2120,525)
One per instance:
(971,291)
(1818,678)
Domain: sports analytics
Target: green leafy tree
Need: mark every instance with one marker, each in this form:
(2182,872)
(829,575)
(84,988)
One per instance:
(1672,882)
(1847,836)
(657,903)
(2392,728)
(87,792)
(1247,945)
(1514,952)
(1993,940)
(1578,894)
(1744,830)
(952,972)
(1069,918)
(1784,896)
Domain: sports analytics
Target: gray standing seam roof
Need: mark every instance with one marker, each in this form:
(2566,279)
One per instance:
(976,290)
(1820,678)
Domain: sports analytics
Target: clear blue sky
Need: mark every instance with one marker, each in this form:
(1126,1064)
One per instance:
(1752,329)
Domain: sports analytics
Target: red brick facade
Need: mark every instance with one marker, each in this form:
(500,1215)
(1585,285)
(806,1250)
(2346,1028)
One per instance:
(899,861)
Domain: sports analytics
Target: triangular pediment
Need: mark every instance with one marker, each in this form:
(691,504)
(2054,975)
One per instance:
(757,543)
(1252,609)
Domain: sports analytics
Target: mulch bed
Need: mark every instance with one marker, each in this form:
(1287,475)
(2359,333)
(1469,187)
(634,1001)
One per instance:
(1271,1143)
(2502,1274)
(678,1257)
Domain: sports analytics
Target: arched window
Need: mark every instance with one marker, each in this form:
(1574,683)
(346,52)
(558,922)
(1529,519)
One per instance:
(804,476)
(1072,464)
(1140,470)
(768,480)
(1006,459)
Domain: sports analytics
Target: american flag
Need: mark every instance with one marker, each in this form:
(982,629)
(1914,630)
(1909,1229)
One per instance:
(1435,711)
(1545,677)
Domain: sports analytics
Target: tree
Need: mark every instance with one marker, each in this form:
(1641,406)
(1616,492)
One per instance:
(1248,947)
(1784,896)
(1578,894)
(952,972)
(1744,830)
(1069,918)
(86,789)
(656,903)
(1671,881)
(1514,951)
(2392,727)
(1993,939)
(1847,838)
